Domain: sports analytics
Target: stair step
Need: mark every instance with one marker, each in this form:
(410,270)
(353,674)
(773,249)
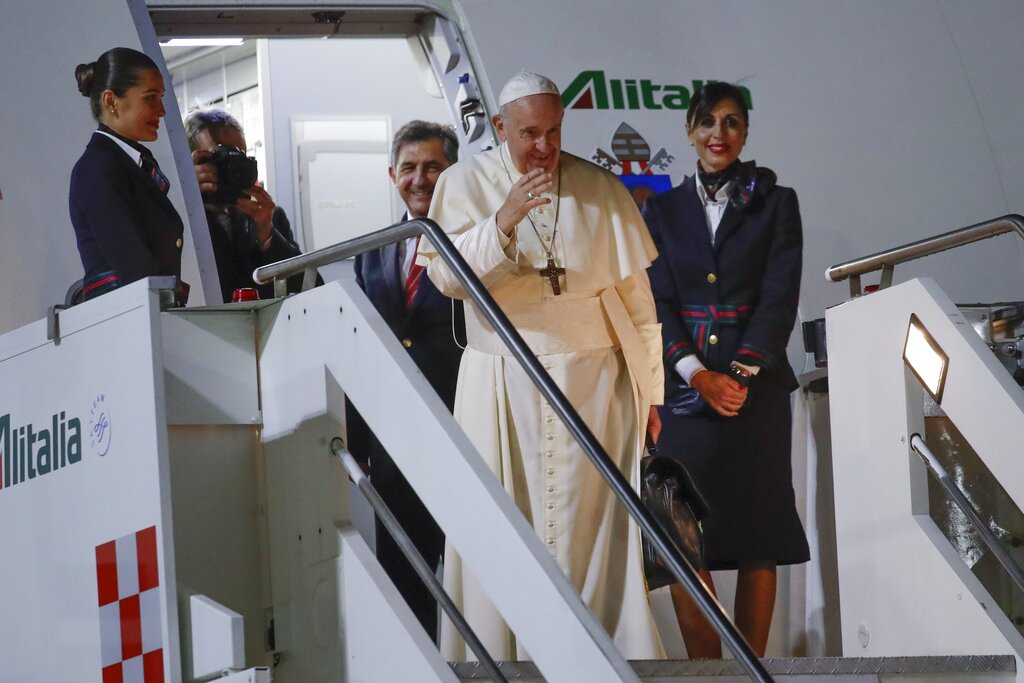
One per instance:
(790,669)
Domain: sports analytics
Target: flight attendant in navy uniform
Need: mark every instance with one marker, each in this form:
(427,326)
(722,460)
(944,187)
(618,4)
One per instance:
(126,227)
(726,285)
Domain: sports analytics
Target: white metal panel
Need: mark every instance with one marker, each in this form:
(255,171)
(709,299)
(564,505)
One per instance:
(102,375)
(210,366)
(306,499)
(898,594)
(383,639)
(217,638)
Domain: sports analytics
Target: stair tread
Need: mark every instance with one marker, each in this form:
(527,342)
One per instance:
(781,666)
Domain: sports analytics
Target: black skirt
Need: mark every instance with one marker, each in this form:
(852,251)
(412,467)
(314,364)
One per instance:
(743,467)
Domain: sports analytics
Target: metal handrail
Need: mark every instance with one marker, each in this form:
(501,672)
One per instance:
(962,502)
(888,259)
(679,566)
(416,561)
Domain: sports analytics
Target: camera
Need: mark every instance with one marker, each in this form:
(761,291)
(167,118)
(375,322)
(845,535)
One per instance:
(236,173)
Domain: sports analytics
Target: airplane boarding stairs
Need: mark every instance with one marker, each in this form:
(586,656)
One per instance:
(198,440)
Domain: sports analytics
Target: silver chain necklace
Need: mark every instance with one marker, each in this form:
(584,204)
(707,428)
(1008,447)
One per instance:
(552,271)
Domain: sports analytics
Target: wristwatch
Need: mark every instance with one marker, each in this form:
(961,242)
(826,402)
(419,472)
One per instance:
(741,375)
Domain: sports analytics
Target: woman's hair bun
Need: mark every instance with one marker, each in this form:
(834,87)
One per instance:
(84,74)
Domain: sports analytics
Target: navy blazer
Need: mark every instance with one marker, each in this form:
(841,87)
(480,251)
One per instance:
(426,328)
(123,222)
(741,292)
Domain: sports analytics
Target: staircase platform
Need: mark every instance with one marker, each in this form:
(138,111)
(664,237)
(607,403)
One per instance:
(961,669)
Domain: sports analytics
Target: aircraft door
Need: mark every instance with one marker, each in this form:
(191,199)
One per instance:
(322,73)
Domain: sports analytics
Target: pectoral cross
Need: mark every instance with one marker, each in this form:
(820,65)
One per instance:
(552,273)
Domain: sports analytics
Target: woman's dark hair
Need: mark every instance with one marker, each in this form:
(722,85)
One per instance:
(117,69)
(708,97)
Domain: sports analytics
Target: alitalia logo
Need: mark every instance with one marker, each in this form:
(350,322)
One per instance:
(29,451)
(592,90)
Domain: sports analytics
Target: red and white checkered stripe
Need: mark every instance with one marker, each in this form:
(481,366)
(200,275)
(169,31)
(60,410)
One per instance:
(131,638)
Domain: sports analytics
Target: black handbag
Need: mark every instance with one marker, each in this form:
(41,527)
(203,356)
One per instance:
(672,498)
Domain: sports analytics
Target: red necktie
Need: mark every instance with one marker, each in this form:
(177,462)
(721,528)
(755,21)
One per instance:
(412,281)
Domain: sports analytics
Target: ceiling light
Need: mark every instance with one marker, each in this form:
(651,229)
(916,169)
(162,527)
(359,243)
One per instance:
(202,42)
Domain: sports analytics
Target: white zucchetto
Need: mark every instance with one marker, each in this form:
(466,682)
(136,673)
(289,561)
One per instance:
(524,84)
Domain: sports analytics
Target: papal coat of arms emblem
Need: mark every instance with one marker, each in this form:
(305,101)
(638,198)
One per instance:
(632,161)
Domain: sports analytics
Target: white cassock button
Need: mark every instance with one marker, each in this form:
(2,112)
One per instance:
(551,472)
(551,506)
(551,437)
(551,541)
(550,454)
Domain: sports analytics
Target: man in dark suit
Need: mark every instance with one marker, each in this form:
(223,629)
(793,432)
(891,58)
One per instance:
(427,323)
(247,231)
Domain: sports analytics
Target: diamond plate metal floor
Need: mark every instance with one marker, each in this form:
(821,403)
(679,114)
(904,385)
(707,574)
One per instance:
(989,668)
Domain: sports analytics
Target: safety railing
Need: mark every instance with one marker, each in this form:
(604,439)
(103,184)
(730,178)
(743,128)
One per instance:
(415,559)
(681,569)
(887,260)
(1012,569)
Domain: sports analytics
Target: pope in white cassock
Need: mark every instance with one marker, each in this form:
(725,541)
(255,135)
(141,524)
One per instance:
(561,247)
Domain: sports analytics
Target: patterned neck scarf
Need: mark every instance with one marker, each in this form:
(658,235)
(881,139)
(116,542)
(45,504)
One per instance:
(742,175)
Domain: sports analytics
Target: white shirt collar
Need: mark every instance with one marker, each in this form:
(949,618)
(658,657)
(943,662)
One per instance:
(128,149)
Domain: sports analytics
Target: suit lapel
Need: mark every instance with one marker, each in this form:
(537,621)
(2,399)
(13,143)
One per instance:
(153,192)
(158,196)
(732,219)
(392,267)
(143,178)
(693,225)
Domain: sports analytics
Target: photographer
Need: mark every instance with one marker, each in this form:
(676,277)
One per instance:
(247,228)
